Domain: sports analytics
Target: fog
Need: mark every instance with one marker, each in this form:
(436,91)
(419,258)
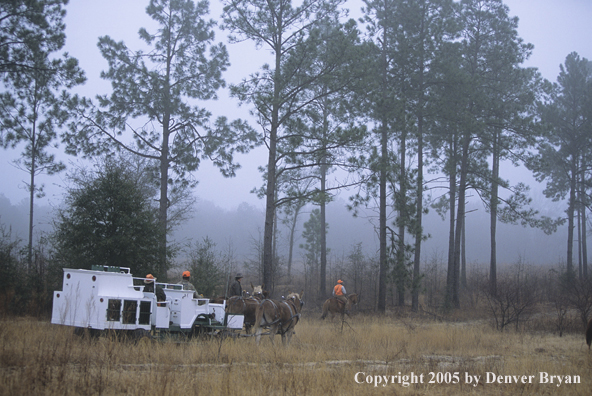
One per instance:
(240,231)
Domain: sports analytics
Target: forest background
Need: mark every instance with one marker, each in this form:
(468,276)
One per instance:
(226,222)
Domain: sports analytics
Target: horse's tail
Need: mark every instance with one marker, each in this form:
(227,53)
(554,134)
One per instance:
(325,309)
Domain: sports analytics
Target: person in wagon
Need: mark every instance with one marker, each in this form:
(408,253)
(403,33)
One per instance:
(187,285)
(236,289)
(149,288)
(340,293)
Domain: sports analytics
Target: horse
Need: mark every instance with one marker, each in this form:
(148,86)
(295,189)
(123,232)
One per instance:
(280,316)
(335,306)
(246,306)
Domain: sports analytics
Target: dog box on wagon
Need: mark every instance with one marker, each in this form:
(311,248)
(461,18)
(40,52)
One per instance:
(110,298)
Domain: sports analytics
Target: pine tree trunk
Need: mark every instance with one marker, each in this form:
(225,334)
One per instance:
(383,267)
(323,275)
(493,203)
(32,196)
(382,273)
(452,188)
(584,232)
(268,259)
(418,221)
(570,216)
(460,219)
(164,201)
(403,221)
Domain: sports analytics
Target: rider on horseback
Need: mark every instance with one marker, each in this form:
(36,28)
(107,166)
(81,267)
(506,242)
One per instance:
(340,294)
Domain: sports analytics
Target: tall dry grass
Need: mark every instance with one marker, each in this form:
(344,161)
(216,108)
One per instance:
(37,358)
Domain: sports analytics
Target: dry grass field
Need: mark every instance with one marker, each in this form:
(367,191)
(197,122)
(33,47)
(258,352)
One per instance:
(324,358)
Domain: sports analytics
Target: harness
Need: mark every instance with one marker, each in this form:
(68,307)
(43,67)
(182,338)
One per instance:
(242,300)
(267,323)
(294,314)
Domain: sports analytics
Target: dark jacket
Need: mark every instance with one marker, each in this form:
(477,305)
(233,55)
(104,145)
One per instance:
(236,289)
(160,295)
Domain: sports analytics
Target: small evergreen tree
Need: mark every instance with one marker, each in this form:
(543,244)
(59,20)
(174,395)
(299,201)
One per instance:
(109,219)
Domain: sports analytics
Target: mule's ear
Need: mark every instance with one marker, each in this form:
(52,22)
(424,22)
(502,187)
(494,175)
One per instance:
(301,294)
(252,287)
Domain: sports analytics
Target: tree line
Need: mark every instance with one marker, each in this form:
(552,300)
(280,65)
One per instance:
(417,103)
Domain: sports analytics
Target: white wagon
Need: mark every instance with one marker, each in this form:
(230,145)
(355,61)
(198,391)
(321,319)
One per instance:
(110,298)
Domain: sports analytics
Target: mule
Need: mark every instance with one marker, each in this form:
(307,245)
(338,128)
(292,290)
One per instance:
(279,316)
(259,293)
(246,306)
(221,299)
(335,306)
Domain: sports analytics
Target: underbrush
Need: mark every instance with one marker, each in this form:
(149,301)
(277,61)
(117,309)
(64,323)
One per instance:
(324,357)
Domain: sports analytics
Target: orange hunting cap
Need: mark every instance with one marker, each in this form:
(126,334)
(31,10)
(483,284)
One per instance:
(339,281)
(186,274)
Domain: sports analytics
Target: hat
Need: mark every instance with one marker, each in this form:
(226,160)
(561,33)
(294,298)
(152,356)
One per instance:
(339,281)
(149,278)
(238,276)
(186,274)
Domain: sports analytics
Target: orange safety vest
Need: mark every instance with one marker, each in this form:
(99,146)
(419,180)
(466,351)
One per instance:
(338,289)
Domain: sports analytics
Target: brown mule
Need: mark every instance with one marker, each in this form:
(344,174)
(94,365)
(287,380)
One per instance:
(259,293)
(246,306)
(279,316)
(335,306)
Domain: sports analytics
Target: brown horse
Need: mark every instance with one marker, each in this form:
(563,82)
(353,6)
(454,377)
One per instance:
(279,316)
(246,306)
(335,306)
